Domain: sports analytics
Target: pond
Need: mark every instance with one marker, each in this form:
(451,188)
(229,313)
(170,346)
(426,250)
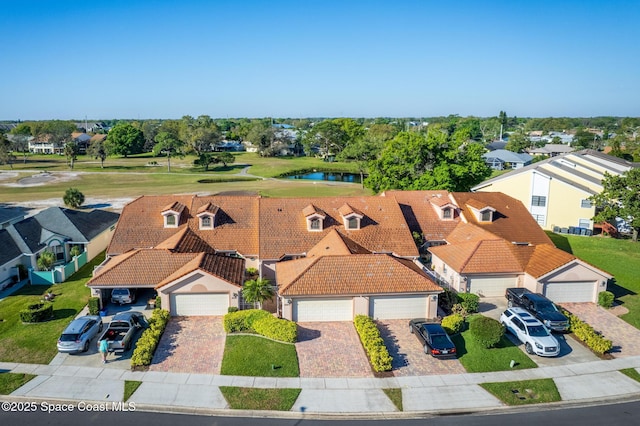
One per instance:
(330,176)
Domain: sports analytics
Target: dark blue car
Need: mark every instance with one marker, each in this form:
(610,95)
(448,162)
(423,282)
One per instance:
(434,339)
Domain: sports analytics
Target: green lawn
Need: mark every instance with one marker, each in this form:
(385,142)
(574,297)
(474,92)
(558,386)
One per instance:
(621,258)
(631,372)
(260,399)
(476,359)
(130,386)
(260,357)
(12,381)
(524,392)
(277,166)
(36,343)
(395,395)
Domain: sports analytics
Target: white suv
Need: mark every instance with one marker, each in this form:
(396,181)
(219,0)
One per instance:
(535,336)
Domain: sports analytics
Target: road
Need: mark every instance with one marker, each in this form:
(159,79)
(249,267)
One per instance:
(611,415)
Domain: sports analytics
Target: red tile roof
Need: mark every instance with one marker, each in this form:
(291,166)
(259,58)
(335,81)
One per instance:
(334,244)
(546,258)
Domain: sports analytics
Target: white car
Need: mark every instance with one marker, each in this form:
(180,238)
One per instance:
(536,337)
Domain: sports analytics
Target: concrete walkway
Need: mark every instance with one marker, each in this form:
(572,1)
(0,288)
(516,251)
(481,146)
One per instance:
(597,380)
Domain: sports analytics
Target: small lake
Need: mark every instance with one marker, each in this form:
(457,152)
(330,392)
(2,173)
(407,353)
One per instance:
(329,176)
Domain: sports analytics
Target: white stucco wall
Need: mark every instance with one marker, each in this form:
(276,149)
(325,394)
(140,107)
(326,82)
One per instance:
(198,282)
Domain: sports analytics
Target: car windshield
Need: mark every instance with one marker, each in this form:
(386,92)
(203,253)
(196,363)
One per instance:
(119,292)
(68,337)
(441,341)
(547,308)
(537,331)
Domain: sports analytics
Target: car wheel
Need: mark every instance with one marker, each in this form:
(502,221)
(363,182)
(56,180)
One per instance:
(509,303)
(86,346)
(528,348)
(410,329)
(426,349)
(100,326)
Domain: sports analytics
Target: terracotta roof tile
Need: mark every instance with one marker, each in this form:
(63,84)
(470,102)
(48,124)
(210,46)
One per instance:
(185,241)
(208,208)
(176,206)
(546,258)
(336,244)
(476,204)
(351,275)
(310,210)
(230,269)
(474,257)
(346,210)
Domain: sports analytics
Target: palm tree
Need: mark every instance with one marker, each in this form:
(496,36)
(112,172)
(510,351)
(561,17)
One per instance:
(46,260)
(257,290)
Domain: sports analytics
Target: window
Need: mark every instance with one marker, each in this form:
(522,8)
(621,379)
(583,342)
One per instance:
(538,201)
(314,224)
(585,204)
(584,223)
(447,213)
(59,252)
(171,220)
(540,218)
(485,216)
(444,269)
(205,222)
(352,223)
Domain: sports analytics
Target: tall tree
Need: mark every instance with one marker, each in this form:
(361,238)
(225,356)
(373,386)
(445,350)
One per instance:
(258,290)
(125,139)
(362,152)
(169,145)
(518,141)
(329,136)
(620,197)
(20,139)
(6,153)
(46,260)
(58,131)
(71,151)
(98,149)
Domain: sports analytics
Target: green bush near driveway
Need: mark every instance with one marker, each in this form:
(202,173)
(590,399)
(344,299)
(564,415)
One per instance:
(257,356)
(486,331)
(147,343)
(470,302)
(37,312)
(583,331)
(260,399)
(605,299)
(9,382)
(477,359)
(453,323)
(524,392)
(261,322)
(94,305)
(373,344)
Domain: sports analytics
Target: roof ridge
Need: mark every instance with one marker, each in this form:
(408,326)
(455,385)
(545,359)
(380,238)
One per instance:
(312,261)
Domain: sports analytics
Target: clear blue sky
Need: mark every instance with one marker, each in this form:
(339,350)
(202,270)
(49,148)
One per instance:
(165,59)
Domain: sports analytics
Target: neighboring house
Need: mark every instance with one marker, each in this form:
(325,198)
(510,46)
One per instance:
(43,145)
(551,150)
(492,243)
(91,126)
(10,258)
(499,144)
(556,191)
(501,159)
(82,140)
(58,230)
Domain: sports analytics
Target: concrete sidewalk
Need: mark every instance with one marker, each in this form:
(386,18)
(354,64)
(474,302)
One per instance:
(590,381)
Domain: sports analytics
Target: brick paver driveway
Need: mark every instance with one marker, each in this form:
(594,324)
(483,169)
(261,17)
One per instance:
(331,349)
(408,355)
(191,345)
(625,337)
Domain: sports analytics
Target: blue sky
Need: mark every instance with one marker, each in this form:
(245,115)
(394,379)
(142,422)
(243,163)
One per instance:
(165,59)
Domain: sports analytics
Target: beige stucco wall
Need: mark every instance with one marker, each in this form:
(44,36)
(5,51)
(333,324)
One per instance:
(576,271)
(268,270)
(287,308)
(252,262)
(100,243)
(361,305)
(564,205)
(517,186)
(198,282)
(452,277)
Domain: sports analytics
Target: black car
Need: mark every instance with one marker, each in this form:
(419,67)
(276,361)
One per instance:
(434,339)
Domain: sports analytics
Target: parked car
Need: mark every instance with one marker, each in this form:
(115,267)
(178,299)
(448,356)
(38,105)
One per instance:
(536,337)
(123,295)
(434,339)
(79,333)
(541,307)
(121,330)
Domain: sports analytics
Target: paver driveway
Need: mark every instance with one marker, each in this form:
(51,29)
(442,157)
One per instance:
(191,345)
(331,349)
(625,337)
(408,355)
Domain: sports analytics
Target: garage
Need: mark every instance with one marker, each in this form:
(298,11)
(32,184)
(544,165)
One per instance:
(398,307)
(311,310)
(574,291)
(491,286)
(199,304)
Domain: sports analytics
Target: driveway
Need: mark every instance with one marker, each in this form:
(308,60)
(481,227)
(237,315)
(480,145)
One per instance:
(408,355)
(625,337)
(191,345)
(331,349)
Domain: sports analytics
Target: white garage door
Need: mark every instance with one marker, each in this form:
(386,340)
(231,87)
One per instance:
(579,291)
(491,286)
(308,310)
(199,304)
(398,307)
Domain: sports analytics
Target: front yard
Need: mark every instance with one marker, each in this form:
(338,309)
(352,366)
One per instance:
(621,258)
(36,343)
(259,357)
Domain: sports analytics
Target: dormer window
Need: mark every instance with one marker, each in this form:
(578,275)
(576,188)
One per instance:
(314,224)
(486,216)
(170,220)
(314,217)
(447,213)
(171,214)
(482,211)
(206,222)
(443,206)
(353,223)
(351,217)
(207,216)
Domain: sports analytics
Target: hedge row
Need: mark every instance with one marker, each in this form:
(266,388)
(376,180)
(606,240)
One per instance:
(262,323)
(587,334)
(37,312)
(373,343)
(147,343)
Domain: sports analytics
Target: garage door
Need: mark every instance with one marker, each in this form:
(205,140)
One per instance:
(580,291)
(398,307)
(199,304)
(308,310)
(491,286)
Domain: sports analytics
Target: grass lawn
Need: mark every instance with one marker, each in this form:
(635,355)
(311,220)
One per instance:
(260,357)
(130,386)
(631,372)
(395,395)
(260,399)
(476,359)
(524,392)
(621,258)
(36,343)
(12,381)
(277,166)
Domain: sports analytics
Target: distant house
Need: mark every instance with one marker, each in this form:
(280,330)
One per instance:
(91,126)
(494,145)
(82,140)
(43,145)
(551,150)
(501,159)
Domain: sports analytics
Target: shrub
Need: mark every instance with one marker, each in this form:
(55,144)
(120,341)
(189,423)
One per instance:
(583,331)
(447,299)
(158,302)
(373,343)
(486,331)
(147,343)
(252,272)
(232,309)
(469,301)
(37,312)
(605,299)
(453,323)
(277,329)
(94,305)
(459,309)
